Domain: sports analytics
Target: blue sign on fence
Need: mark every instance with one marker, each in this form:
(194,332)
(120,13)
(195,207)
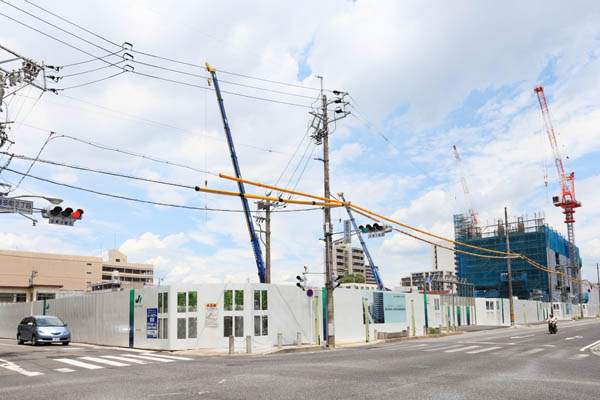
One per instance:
(152,323)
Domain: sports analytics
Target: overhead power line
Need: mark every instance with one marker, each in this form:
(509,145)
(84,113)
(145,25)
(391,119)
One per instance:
(167,58)
(144,201)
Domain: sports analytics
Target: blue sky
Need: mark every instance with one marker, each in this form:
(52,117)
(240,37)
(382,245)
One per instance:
(426,78)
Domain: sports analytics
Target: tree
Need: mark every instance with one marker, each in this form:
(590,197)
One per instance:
(353,278)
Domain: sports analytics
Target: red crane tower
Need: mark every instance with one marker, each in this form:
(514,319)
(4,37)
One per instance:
(463,180)
(567,202)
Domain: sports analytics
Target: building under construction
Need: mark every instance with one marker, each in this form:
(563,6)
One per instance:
(529,237)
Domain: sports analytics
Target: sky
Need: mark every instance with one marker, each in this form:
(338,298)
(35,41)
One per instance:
(421,77)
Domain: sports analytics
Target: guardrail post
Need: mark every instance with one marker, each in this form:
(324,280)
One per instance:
(298,338)
(249,344)
(231,345)
(280,340)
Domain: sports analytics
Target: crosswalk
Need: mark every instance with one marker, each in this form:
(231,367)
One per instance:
(74,364)
(475,348)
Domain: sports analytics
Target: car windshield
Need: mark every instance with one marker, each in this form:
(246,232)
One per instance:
(49,321)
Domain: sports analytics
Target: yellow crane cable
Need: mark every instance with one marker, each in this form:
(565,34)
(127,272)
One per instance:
(371,215)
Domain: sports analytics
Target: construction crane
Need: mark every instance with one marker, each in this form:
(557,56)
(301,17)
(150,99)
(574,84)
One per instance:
(463,180)
(567,182)
(364,246)
(253,237)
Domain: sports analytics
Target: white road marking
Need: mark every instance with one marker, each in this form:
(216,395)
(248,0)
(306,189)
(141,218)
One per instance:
(579,357)
(222,380)
(443,347)
(549,345)
(148,357)
(170,357)
(14,367)
(129,360)
(589,345)
(484,350)
(532,351)
(461,349)
(574,337)
(78,363)
(129,349)
(521,337)
(64,370)
(103,361)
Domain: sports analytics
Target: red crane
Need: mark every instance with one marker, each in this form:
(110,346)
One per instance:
(567,202)
(463,180)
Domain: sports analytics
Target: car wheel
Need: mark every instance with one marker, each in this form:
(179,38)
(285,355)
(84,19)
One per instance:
(19,340)
(34,341)
(65,343)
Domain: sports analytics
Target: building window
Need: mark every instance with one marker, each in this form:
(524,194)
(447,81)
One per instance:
(256,302)
(265,325)
(228,301)
(7,297)
(239,326)
(163,302)
(160,303)
(436,304)
(181,328)
(89,264)
(89,272)
(257,325)
(264,301)
(181,301)
(227,326)
(46,296)
(163,328)
(192,301)
(260,299)
(192,328)
(118,260)
(21,297)
(239,300)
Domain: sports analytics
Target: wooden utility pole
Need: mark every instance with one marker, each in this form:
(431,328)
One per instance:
(510,292)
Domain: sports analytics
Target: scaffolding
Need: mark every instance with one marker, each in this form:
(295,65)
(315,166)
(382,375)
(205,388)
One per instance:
(530,237)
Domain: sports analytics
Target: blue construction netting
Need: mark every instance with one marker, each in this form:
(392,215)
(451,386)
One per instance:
(489,275)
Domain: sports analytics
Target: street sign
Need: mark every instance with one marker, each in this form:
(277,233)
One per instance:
(310,293)
(151,323)
(347,232)
(16,206)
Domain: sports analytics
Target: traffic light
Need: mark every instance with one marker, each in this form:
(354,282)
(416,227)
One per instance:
(375,230)
(59,216)
(301,281)
(335,281)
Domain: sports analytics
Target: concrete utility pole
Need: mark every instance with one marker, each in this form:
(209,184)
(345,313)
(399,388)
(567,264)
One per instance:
(598,272)
(321,136)
(266,205)
(510,292)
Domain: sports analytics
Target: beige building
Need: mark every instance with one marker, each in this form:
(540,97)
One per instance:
(351,260)
(26,275)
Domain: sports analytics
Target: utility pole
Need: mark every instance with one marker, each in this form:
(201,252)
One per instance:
(267,206)
(510,292)
(321,136)
(598,272)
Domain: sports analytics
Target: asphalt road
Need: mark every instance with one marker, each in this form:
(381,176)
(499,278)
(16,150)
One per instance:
(521,363)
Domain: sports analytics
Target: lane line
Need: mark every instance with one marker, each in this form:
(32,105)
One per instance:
(64,370)
(148,358)
(462,349)
(170,357)
(103,361)
(130,360)
(78,363)
(404,348)
(579,357)
(444,347)
(15,368)
(589,345)
(574,337)
(521,337)
(532,351)
(484,350)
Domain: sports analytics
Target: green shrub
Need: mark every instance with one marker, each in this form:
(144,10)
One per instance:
(433,331)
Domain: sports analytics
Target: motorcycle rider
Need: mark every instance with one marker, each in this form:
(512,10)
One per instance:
(552,320)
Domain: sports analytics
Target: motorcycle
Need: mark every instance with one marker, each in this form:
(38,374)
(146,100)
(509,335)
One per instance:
(552,327)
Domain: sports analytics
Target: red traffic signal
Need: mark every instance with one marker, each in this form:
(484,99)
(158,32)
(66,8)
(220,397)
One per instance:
(77,214)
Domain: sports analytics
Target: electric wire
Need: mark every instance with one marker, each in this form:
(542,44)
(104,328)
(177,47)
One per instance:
(91,82)
(145,201)
(166,58)
(89,60)
(90,70)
